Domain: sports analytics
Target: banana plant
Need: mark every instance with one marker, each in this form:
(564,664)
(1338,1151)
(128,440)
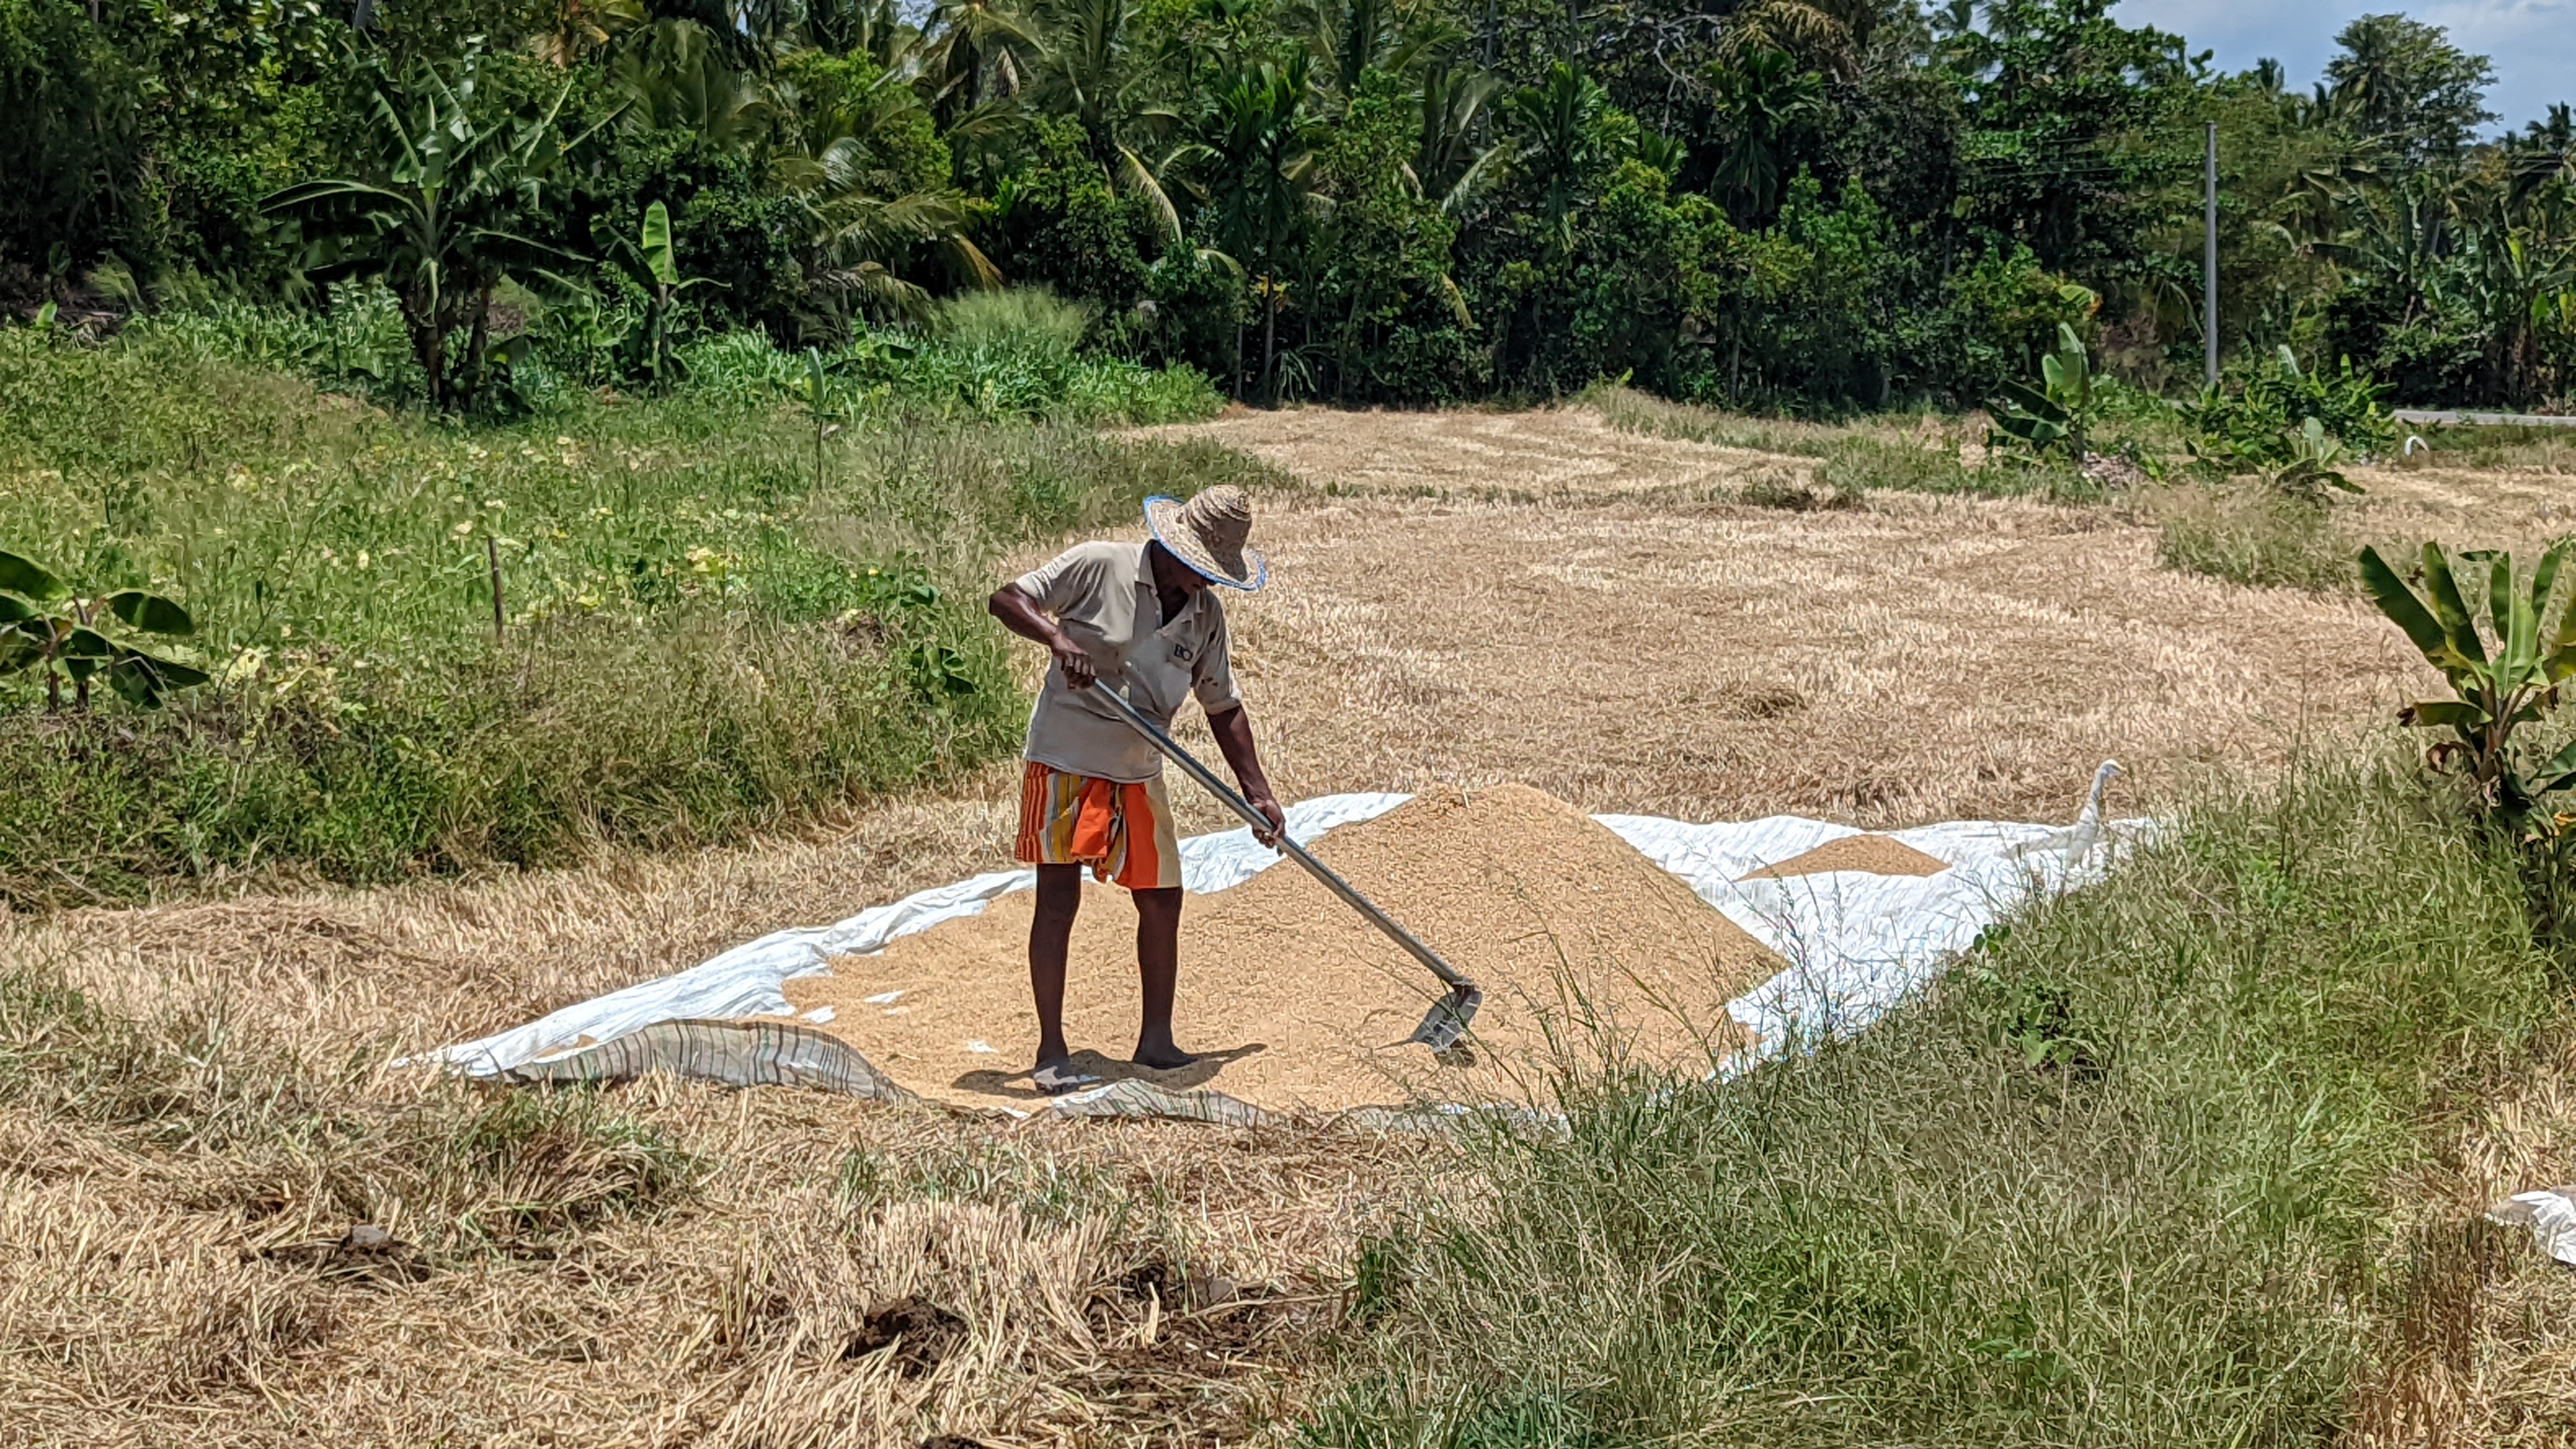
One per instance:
(2314,456)
(654,260)
(2056,414)
(2499,685)
(44,627)
(814,390)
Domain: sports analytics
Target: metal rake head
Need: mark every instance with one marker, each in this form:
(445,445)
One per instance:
(1447,1019)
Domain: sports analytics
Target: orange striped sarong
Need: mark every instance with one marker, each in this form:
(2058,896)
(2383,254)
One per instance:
(1123,832)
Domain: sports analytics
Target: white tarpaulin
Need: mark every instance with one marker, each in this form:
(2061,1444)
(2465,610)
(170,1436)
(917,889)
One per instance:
(2550,1214)
(1856,943)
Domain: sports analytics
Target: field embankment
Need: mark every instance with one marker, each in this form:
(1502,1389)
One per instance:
(2136,1173)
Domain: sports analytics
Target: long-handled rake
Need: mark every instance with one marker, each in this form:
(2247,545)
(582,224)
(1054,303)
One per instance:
(1447,1020)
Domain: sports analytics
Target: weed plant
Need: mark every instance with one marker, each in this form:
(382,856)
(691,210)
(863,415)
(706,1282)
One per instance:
(697,641)
(2548,449)
(1019,319)
(2118,1180)
(2250,533)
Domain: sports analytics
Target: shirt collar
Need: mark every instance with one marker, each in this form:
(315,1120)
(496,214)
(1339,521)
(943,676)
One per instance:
(1144,567)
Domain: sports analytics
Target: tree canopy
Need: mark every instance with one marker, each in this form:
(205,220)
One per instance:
(1801,204)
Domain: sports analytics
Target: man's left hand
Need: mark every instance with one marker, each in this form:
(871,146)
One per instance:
(1278,819)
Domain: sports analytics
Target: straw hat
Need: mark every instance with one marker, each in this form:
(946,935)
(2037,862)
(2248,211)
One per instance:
(1208,534)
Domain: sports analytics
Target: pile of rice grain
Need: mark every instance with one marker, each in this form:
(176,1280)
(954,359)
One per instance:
(1590,956)
(1872,854)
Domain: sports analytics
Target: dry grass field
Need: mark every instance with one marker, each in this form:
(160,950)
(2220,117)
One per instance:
(1459,598)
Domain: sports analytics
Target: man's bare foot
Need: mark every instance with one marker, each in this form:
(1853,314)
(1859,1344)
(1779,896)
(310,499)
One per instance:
(1060,1076)
(1161,1056)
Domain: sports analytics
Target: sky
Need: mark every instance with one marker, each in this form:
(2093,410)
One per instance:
(2532,42)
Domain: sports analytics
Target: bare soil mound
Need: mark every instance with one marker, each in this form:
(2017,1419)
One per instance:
(1875,854)
(1590,957)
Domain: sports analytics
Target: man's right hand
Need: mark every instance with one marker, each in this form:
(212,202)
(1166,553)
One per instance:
(1020,614)
(1078,669)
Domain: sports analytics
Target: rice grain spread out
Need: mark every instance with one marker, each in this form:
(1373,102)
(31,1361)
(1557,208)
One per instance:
(1589,956)
(1872,854)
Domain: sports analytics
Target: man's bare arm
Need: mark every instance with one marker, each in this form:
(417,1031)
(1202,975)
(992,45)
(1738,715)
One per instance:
(1233,731)
(1021,615)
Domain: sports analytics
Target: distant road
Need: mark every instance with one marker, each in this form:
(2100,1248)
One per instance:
(2437,419)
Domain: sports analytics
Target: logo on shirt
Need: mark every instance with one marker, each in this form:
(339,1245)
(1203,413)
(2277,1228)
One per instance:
(1181,652)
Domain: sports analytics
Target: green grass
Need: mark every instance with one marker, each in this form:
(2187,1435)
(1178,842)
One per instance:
(988,356)
(699,640)
(2120,1180)
(2553,449)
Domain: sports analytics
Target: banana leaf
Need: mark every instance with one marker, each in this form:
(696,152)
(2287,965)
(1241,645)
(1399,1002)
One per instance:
(25,576)
(2404,609)
(142,679)
(151,613)
(661,258)
(2457,713)
(2024,398)
(2459,626)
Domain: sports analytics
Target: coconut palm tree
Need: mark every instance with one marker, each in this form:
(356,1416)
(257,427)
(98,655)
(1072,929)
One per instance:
(976,51)
(1763,101)
(1261,160)
(674,76)
(576,28)
(1448,164)
(860,226)
(873,28)
(1086,69)
(1821,32)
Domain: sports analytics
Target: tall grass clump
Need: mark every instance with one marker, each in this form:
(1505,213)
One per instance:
(2119,1179)
(1018,319)
(987,356)
(2249,533)
(697,638)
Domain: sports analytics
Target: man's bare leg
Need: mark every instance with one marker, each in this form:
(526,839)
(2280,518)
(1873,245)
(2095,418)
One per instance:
(1050,934)
(1158,961)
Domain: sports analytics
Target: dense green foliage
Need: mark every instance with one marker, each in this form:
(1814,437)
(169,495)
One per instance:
(2117,1180)
(1809,204)
(698,637)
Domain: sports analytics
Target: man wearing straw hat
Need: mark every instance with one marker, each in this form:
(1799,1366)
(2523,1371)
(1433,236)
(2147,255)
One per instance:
(1144,618)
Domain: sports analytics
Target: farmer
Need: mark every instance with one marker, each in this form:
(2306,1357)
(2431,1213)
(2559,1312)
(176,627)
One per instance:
(1141,618)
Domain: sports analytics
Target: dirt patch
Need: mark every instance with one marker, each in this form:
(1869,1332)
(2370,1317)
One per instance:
(919,1332)
(1589,955)
(1876,854)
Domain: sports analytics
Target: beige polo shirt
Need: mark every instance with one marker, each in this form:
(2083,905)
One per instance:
(1102,594)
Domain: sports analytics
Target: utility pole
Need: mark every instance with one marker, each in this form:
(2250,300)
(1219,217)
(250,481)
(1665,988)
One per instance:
(2209,264)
